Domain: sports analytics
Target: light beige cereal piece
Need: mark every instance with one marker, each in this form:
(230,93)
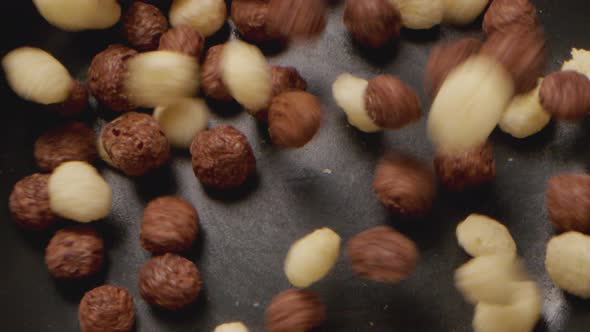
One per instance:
(489,278)
(312,257)
(480,235)
(37,76)
(463,12)
(76,15)
(183,120)
(469,104)
(231,327)
(349,94)
(568,262)
(521,315)
(579,62)
(206,16)
(525,115)
(161,77)
(420,14)
(246,73)
(78,192)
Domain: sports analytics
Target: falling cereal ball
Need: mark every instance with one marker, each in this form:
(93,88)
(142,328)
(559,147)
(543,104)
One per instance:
(106,308)
(29,203)
(75,252)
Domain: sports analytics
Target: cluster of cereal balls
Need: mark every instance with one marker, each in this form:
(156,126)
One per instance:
(165,64)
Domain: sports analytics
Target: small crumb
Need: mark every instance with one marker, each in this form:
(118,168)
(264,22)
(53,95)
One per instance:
(371,324)
(237,303)
(327,171)
(256,304)
(510,159)
(385,307)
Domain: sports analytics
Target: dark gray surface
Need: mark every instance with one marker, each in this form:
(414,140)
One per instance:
(244,239)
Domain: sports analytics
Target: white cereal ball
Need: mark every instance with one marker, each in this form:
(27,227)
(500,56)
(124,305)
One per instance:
(37,76)
(525,116)
(568,262)
(349,94)
(231,327)
(312,257)
(246,73)
(76,15)
(519,316)
(469,104)
(420,14)
(161,77)
(183,120)
(78,192)
(206,16)
(463,12)
(480,235)
(579,62)
(489,278)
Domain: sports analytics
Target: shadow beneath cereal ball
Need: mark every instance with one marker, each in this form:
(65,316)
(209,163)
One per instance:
(381,56)
(232,195)
(224,109)
(159,182)
(73,290)
(536,142)
(184,314)
(220,37)
(421,36)
(272,47)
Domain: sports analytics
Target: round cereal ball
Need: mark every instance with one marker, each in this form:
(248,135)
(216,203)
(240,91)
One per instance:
(106,308)
(135,143)
(568,201)
(294,118)
(382,254)
(404,185)
(29,202)
(170,224)
(143,25)
(295,310)
(77,101)
(222,157)
(250,17)
(71,141)
(106,77)
(211,82)
(74,252)
(169,281)
(184,39)
(467,169)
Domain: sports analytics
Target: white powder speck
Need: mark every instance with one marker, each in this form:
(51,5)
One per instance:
(256,304)
(510,159)
(327,171)
(371,323)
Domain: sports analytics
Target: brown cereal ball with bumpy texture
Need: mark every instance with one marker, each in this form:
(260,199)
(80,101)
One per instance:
(566,95)
(29,203)
(298,310)
(106,77)
(143,25)
(445,57)
(77,101)
(74,252)
(284,79)
(222,157)
(135,143)
(382,254)
(250,17)
(466,169)
(169,281)
(391,103)
(568,202)
(296,18)
(184,39)
(294,118)
(106,308)
(522,52)
(372,22)
(73,141)
(211,82)
(404,185)
(170,224)
(504,14)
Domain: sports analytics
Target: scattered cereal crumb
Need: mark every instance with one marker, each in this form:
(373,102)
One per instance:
(510,159)
(371,324)
(327,171)
(256,304)
(385,307)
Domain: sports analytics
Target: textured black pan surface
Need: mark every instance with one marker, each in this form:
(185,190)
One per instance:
(245,237)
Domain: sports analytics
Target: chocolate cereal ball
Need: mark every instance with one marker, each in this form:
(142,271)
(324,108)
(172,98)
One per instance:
(170,224)
(184,39)
(169,281)
(222,157)
(106,308)
(372,22)
(135,143)
(466,169)
(77,101)
(382,254)
(568,202)
(73,141)
(250,17)
(294,118)
(106,77)
(29,203)
(74,252)
(293,310)
(143,25)
(211,82)
(404,185)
